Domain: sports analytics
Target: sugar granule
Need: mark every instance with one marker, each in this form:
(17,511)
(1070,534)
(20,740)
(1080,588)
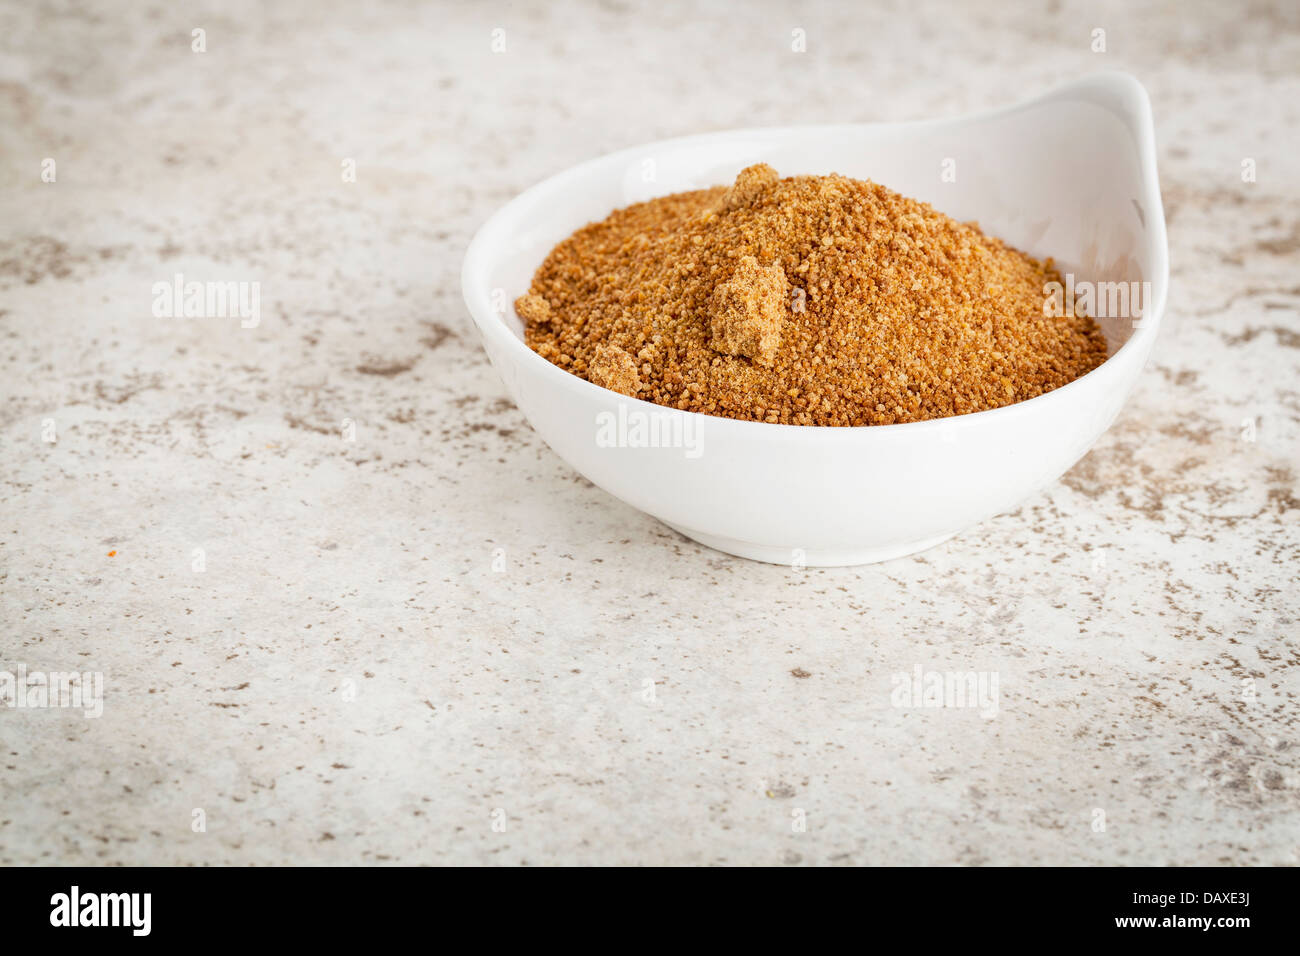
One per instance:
(811,300)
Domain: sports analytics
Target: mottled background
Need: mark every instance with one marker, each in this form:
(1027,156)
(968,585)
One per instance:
(349,680)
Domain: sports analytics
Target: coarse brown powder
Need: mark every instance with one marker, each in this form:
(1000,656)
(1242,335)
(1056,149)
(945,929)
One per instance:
(811,300)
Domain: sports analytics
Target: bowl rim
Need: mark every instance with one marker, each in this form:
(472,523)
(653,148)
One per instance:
(1125,85)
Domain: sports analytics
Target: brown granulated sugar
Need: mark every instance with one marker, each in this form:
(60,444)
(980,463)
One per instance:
(812,300)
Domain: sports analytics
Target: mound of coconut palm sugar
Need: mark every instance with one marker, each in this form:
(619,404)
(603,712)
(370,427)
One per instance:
(811,300)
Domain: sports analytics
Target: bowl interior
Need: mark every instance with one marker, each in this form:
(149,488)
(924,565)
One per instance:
(1069,176)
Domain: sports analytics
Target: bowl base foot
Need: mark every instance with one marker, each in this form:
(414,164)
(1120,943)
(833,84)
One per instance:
(790,557)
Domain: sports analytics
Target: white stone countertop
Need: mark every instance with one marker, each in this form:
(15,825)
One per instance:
(347,680)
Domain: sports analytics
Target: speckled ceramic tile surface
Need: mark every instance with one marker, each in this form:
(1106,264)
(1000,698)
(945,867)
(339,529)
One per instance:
(347,608)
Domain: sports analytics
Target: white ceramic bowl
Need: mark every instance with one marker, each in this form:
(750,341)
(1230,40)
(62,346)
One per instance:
(1071,175)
